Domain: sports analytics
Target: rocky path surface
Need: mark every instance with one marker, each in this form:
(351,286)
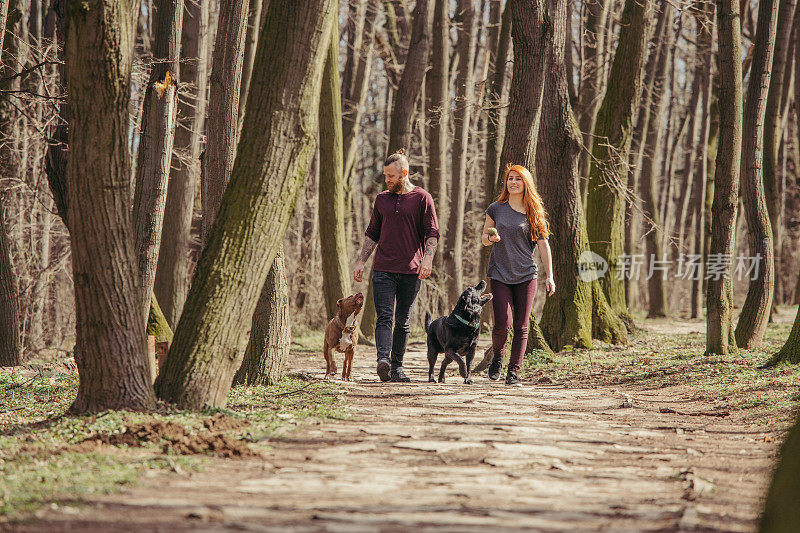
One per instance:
(452,457)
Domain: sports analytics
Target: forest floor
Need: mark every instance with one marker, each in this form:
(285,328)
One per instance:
(653,436)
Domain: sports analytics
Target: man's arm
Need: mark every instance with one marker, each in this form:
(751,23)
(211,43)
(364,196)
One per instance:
(427,258)
(430,247)
(366,251)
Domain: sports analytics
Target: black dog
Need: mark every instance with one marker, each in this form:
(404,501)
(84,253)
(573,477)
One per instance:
(456,334)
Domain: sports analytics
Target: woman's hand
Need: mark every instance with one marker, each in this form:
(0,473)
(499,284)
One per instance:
(549,286)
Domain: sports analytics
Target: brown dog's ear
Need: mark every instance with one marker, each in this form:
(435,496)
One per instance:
(339,303)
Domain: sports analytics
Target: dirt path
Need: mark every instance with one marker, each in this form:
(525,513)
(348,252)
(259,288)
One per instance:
(451,457)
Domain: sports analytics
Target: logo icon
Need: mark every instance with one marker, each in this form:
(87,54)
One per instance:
(591,266)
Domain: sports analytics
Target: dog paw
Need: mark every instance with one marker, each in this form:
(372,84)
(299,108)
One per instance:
(431,379)
(468,381)
(441,380)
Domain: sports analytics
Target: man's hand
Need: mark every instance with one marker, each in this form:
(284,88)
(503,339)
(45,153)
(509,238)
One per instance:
(424,269)
(358,271)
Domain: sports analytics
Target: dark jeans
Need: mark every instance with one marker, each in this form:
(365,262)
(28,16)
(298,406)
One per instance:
(388,288)
(512,305)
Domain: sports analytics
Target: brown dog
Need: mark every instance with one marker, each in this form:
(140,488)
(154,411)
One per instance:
(341,335)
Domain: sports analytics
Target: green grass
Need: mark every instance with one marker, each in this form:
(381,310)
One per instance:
(656,360)
(43,457)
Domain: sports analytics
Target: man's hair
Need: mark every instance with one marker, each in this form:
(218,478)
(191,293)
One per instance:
(397,158)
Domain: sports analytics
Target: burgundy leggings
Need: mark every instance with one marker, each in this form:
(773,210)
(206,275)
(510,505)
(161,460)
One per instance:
(511,304)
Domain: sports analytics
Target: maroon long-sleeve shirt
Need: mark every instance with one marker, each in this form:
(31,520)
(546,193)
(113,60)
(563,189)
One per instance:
(400,224)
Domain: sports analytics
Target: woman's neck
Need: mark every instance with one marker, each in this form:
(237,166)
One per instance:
(516,202)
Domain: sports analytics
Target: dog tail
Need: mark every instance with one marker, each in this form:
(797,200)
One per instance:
(427,320)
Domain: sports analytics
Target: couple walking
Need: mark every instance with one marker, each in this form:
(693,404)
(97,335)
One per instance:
(405,231)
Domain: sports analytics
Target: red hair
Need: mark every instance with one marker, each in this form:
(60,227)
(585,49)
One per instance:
(534,208)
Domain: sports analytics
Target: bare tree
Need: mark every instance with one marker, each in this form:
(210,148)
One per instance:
(172,272)
(719,293)
(223,105)
(110,352)
(462,118)
(755,310)
(155,144)
(10,348)
(271,164)
(658,305)
(413,74)
(607,190)
(774,125)
(333,237)
(268,349)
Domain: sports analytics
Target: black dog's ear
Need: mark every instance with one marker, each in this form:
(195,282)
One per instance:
(485,298)
(481,286)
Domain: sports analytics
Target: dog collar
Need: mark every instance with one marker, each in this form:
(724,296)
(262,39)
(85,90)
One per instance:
(470,324)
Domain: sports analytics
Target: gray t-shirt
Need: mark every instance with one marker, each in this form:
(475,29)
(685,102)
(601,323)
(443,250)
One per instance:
(511,260)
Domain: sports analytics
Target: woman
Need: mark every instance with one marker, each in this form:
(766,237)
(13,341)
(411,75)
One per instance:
(515,224)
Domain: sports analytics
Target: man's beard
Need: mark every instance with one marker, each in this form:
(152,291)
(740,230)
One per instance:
(397,188)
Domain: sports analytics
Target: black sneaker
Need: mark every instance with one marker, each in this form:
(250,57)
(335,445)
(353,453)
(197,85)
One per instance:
(399,376)
(494,368)
(511,378)
(384,369)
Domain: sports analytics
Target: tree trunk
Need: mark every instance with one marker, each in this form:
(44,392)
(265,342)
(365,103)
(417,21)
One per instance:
(755,310)
(223,106)
(172,273)
(250,43)
(496,116)
(155,144)
(701,167)
(790,352)
(268,350)
(530,32)
(413,74)
(111,349)
(719,293)
(495,132)
(658,305)
(10,348)
(355,98)
(567,316)
(606,190)
(462,118)
(438,98)
(774,124)
(781,512)
(592,80)
(271,165)
(333,237)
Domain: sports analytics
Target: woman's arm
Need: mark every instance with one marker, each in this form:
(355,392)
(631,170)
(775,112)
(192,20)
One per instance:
(547,262)
(486,240)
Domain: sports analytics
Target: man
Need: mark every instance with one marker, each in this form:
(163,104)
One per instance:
(403,220)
